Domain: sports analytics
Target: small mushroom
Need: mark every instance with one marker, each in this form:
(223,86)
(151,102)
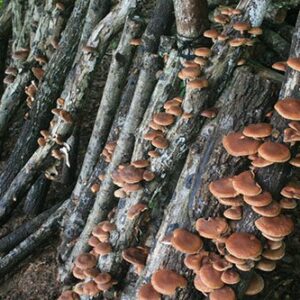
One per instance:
(255,286)
(241,26)
(197,84)
(85,261)
(230,277)
(259,130)
(211,277)
(203,52)
(274,152)
(163,119)
(245,184)
(280,66)
(147,292)
(136,210)
(223,293)
(294,63)
(288,108)
(223,188)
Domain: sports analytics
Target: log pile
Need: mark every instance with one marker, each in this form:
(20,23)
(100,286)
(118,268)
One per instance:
(189,182)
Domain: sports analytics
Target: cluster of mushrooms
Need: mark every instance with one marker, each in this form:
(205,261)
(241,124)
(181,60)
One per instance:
(215,272)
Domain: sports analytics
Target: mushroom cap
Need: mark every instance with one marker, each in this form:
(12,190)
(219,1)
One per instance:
(236,144)
(99,233)
(211,33)
(135,256)
(288,108)
(276,254)
(211,277)
(172,102)
(38,73)
(191,72)
(279,226)
(153,154)
(221,264)
(129,188)
(91,273)
(291,190)
(107,226)
(167,281)
(194,261)
(266,265)
(223,188)
(237,42)
(68,295)
(189,63)
(95,188)
(230,277)
(175,111)
(85,261)
(155,126)
(152,135)
(203,52)
(221,19)
(136,42)
(224,293)
(235,202)
(197,84)
(294,63)
(135,210)
(90,288)
(147,292)
(103,248)
(245,184)
(160,142)
(241,26)
(234,259)
(148,175)
(259,130)
(271,210)
(233,213)
(280,66)
(263,199)
(11,71)
(200,61)
(185,241)
(287,203)
(274,152)
(93,241)
(255,31)
(200,286)
(256,285)
(209,113)
(163,119)
(103,278)
(259,162)
(78,273)
(211,228)
(243,245)
(130,174)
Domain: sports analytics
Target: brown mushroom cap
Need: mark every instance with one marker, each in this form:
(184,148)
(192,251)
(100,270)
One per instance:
(91,273)
(136,42)
(291,190)
(129,188)
(194,261)
(202,52)
(185,241)
(93,241)
(148,175)
(211,228)
(237,42)
(279,226)
(256,285)
(271,210)
(200,286)
(135,256)
(230,277)
(90,288)
(259,162)
(163,119)
(175,111)
(136,210)
(263,199)
(191,72)
(149,136)
(160,142)
(236,144)
(276,254)
(274,152)
(200,61)
(294,63)
(78,273)
(167,281)
(130,174)
(221,264)
(280,66)
(107,226)
(153,154)
(103,248)
(235,202)
(103,278)
(255,31)
(221,19)
(85,261)
(245,184)
(288,108)
(141,163)
(234,259)
(172,102)
(211,277)
(209,113)
(241,26)
(99,233)
(233,213)
(211,33)
(266,265)
(259,130)
(197,84)
(147,292)
(243,245)
(223,188)
(68,295)
(224,293)
(287,203)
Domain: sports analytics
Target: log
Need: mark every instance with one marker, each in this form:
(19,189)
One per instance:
(12,239)
(45,99)
(206,161)
(6,21)
(33,241)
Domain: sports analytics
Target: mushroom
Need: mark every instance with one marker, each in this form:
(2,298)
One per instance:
(280,66)
(266,265)
(185,241)
(223,188)
(152,135)
(209,113)
(95,188)
(153,153)
(200,61)
(211,33)
(255,31)
(245,184)
(21,54)
(100,234)
(241,62)
(274,152)
(203,52)
(259,162)
(211,277)
(255,286)
(166,281)
(173,102)
(223,293)
(233,201)
(230,277)
(236,144)
(90,288)
(291,190)
(279,226)
(190,73)
(221,19)
(8,79)
(147,292)
(103,248)
(288,108)
(160,142)
(175,111)
(233,213)
(200,286)
(211,228)
(163,119)
(287,203)
(197,84)
(271,210)
(141,163)
(131,175)
(85,261)
(136,42)
(11,71)
(241,26)
(263,199)
(294,63)
(237,42)
(148,175)
(135,256)
(68,295)
(276,254)
(38,73)
(78,273)
(136,210)
(243,245)
(259,130)
(194,261)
